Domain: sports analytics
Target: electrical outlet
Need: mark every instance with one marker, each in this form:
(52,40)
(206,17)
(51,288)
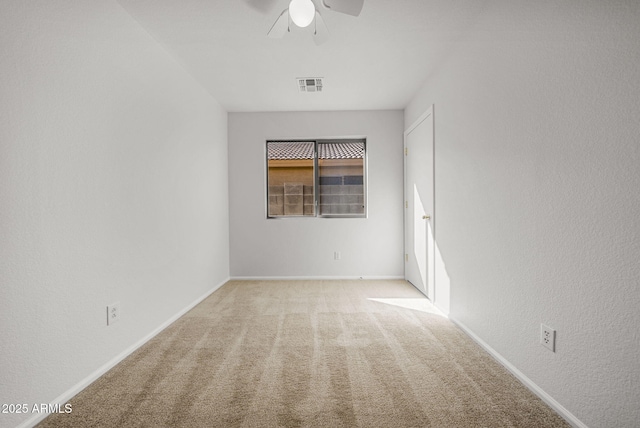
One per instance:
(336,255)
(113,313)
(548,337)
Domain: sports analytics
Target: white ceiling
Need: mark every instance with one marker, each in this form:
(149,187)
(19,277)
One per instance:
(372,62)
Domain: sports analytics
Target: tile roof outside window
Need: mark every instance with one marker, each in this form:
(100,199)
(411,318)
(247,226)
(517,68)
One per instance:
(304,150)
(341,151)
(290,150)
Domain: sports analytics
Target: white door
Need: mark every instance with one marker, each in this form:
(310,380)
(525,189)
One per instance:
(419,203)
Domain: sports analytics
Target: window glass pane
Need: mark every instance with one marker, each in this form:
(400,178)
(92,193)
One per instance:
(341,178)
(290,178)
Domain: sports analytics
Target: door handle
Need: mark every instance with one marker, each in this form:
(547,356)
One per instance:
(426,217)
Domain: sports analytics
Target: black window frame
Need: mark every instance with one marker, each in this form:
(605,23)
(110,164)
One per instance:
(317,195)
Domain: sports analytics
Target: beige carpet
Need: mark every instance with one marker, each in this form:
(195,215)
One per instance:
(309,354)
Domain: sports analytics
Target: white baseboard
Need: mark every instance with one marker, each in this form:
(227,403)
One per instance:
(305,278)
(551,402)
(67,395)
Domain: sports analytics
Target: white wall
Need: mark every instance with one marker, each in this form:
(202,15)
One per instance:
(304,247)
(113,172)
(537,201)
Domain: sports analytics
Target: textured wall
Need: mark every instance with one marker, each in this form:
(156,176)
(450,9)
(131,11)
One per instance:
(305,246)
(113,172)
(537,178)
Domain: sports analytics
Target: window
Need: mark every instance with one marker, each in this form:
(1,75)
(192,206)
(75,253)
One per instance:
(319,178)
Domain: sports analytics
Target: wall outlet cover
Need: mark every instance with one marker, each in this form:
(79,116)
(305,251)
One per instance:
(548,337)
(113,313)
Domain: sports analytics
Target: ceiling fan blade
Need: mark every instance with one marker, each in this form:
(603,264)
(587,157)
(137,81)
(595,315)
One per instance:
(281,26)
(350,7)
(263,6)
(320,32)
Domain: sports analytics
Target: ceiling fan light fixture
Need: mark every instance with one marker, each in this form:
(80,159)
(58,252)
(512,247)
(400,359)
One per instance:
(302,12)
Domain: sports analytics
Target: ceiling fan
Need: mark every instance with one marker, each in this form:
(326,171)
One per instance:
(304,13)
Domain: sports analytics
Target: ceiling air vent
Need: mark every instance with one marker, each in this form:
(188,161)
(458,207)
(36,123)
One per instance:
(310,84)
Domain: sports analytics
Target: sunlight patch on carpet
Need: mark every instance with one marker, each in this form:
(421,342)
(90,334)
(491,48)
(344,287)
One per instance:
(416,304)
